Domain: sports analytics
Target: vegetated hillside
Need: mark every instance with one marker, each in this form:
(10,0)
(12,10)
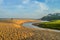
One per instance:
(49,17)
(54,24)
(14,31)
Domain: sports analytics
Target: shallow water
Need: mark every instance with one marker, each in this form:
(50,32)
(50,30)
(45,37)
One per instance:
(30,25)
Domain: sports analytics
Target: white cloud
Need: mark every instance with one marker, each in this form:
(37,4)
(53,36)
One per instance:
(25,1)
(41,10)
(42,6)
(30,10)
(37,12)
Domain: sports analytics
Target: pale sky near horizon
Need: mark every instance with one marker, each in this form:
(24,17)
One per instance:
(28,8)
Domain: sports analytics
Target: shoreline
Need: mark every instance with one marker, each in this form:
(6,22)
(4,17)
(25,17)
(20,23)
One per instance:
(41,28)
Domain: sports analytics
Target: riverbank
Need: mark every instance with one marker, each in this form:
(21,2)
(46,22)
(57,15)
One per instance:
(15,31)
(30,25)
(50,25)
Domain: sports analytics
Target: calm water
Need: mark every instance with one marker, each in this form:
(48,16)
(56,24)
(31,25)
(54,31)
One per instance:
(29,25)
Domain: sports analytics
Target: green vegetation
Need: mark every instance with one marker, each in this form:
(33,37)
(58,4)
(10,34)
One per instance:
(54,24)
(49,17)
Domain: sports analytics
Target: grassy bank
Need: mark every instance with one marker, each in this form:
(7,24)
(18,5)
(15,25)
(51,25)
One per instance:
(55,24)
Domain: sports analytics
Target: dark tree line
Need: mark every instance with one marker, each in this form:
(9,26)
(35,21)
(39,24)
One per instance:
(49,17)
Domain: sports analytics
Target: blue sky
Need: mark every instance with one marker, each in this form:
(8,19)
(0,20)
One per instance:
(28,8)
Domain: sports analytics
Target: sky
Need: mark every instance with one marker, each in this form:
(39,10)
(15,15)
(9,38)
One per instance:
(28,8)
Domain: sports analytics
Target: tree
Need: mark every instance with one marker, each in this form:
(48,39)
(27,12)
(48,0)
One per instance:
(55,16)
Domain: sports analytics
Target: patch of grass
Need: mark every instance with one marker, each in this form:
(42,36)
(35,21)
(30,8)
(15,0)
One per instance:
(55,24)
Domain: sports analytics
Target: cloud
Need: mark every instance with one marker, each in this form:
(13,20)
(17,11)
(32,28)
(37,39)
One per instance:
(42,6)
(40,9)
(29,9)
(25,1)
